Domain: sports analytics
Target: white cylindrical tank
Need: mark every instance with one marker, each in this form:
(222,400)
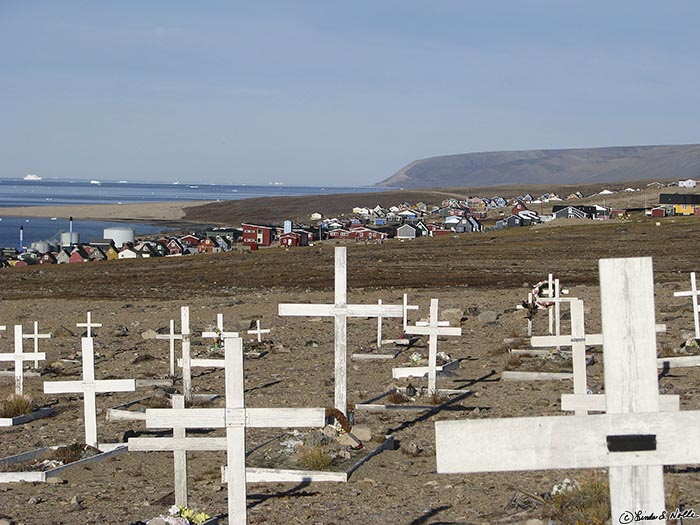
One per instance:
(41,246)
(67,240)
(119,235)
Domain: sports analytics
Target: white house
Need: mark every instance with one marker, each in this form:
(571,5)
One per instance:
(690,183)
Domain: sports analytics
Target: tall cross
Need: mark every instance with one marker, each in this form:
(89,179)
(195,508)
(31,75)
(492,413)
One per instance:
(171,337)
(89,324)
(433,329)
(235,418)
(693,294)
(633,439)
(259,331)
(19,357)
(340,311)
(89,387)
(36,336)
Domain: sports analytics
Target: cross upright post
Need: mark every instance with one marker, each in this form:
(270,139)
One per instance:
(693,294)
(89,387)
(19,357)
(340,311)
(633,439)
(406,308)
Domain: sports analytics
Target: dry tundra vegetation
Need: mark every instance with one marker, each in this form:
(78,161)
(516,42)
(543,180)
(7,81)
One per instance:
(470,274)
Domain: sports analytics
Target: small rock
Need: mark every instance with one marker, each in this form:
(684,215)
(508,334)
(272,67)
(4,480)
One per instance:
(362,432)
(157,521)
(453,315)
(279,347)
(488,317)
(348,440)
(62,331)
(431,483)
(6,521)
(34,500)
(311,343)
(120,331)
(534,521)
(149,334)
(76,503)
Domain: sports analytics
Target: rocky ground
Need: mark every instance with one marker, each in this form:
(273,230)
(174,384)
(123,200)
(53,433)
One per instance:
(479,279)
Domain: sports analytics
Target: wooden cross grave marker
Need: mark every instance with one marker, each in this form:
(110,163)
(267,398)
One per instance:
(581,402)
(89,325)
(89,387)
(259,331)
(432,329)
(36,336)
(235,418)
(406,308)
(19,357)
(180,444)
(693,294)
(340,311)
(220,335)
(633,439)
(171,337)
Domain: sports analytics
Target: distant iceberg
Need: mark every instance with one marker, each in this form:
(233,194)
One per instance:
(97,182)
(32,177)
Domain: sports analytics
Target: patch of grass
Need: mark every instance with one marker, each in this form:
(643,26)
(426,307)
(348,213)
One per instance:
(586,503)
(396,397)
(16,405)
(513,362)
(315,457)
(437,399)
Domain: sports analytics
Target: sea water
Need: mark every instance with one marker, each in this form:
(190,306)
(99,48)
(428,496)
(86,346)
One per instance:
(53,192)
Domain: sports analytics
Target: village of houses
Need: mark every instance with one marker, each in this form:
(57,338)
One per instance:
(374,225)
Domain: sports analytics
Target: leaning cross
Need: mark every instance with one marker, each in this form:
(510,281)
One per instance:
(259,331)
(36,336)
(433,329)
(19,357)
(341,310)
(89,324)
(235,418)
(693,293)
(171,337)
(89,387)
(633,439)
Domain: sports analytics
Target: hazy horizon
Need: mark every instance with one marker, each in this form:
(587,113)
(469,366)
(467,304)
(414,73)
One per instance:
(324,94)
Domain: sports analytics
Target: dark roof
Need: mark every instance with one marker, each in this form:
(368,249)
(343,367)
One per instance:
(679,198)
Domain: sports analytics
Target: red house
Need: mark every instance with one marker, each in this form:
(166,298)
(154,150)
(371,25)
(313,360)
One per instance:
(295,238)
(78,255)
(258,234)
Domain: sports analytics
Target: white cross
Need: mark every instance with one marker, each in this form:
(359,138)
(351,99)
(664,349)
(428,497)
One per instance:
(529,317)
(633,439)
(406,308)
(581,401)
(693,293)
(18,356)
(220,335)
(179,444)
(235,418)
(432,329)
(89,387)
(36,336)
(341,310)
(171,337)
(259,331)
(89,324)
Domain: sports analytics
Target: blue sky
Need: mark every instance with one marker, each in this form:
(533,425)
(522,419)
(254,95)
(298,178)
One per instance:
(333,93)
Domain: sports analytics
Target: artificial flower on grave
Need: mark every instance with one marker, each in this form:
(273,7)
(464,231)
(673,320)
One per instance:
(179,515)
(415,358)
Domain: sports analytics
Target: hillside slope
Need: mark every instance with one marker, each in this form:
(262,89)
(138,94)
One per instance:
(559,166)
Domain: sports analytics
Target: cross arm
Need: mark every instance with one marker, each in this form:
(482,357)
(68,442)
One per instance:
(545,442)
(427,330)
(23,357)
(79,387)
(171,444)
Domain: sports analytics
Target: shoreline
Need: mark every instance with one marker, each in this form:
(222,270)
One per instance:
(152,212)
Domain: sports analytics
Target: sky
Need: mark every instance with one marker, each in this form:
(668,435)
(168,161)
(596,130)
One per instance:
(333,93)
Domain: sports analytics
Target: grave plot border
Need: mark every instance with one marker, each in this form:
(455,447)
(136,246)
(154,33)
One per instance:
(108,450)
(274,475)
(371,406)
(26,418)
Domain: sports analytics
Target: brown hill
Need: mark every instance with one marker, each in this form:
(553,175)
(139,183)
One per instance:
(557,166)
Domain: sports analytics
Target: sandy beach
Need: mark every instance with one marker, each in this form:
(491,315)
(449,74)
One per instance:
(143,212)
